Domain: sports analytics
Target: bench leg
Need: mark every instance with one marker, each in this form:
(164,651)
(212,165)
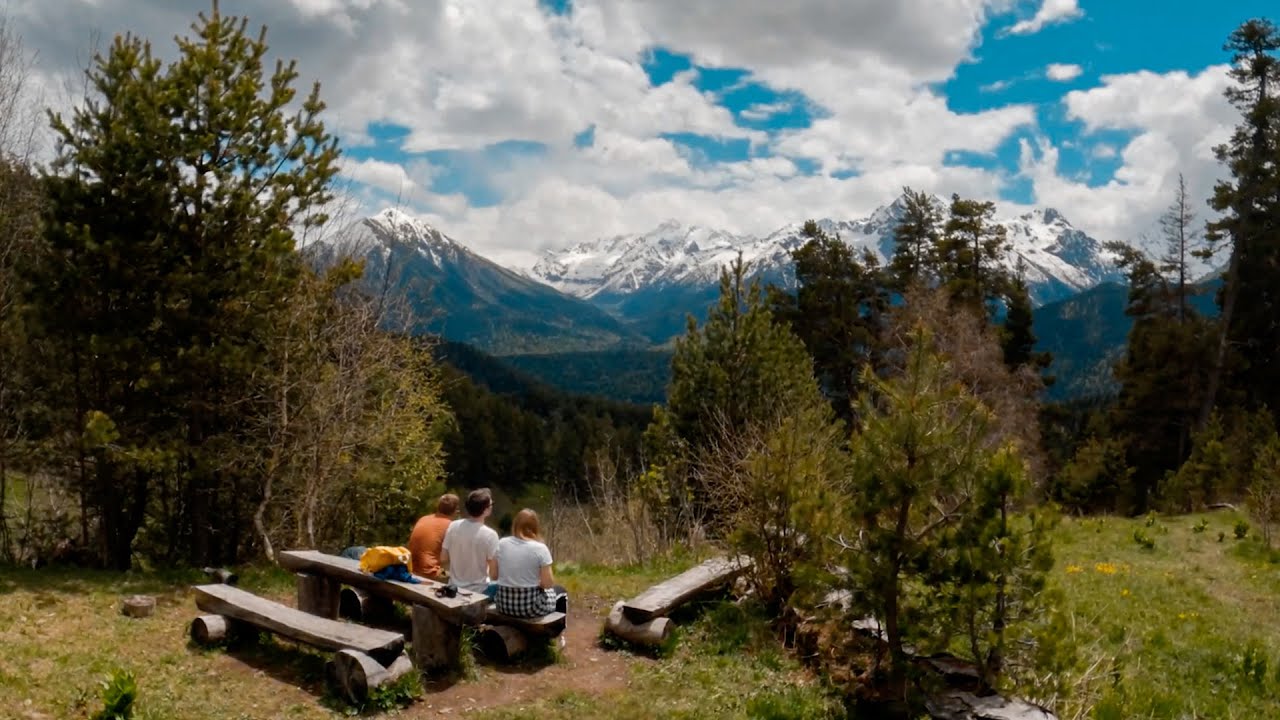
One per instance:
(437,643)
(358,605)
(209,629)
(652,633)
(318,595)
(502,643)
(355,674)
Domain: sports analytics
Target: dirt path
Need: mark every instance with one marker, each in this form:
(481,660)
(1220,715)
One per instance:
(586,668)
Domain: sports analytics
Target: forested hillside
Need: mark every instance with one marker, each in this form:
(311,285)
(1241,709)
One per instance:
(513,432)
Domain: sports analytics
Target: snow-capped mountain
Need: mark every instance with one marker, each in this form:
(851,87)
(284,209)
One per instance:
(1058,260)
(451,291)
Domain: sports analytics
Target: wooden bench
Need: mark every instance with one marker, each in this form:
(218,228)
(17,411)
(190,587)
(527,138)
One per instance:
(504,637)
(437,620)
(643,619)
(364,657)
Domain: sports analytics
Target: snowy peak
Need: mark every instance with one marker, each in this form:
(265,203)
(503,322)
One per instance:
(1057,259)
(392,228)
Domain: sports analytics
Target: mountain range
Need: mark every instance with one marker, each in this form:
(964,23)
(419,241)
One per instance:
(651,279)
(451,291)
(577,310)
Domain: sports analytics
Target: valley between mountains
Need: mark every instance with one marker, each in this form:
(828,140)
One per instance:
(583,316)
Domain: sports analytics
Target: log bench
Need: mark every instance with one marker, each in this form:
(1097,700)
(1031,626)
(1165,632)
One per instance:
(643,619)
(365,658)
(504,637)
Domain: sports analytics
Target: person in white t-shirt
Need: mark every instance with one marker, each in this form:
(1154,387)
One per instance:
(526,586)
(470,546)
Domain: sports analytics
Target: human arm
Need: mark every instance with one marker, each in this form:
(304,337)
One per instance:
(444,549)
(545,578)
(491,562)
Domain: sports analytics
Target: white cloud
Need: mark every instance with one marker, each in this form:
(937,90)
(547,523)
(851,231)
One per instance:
(464,74)
(1176,119)
(1062,72)
(1051,12)
(764,111)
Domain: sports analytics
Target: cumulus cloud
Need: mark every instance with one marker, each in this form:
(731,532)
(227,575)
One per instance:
(1051,12)
(1175,119)
(464,75)
(1062,72)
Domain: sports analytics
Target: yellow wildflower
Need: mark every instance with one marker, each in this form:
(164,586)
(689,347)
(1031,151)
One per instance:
(1073,569)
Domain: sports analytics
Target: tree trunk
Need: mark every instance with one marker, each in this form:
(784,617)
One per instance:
(1231,290)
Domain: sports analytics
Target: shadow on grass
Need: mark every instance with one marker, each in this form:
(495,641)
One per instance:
(86,581)
(282,660)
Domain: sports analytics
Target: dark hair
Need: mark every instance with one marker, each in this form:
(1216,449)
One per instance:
(448,504)
(478,501)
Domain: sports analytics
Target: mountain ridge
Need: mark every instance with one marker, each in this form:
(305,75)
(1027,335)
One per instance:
(453,291)
(1058,259)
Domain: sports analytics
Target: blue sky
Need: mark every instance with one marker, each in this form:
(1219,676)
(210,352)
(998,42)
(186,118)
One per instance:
(523,125)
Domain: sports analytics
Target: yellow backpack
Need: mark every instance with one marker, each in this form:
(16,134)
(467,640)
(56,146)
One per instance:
(376,558)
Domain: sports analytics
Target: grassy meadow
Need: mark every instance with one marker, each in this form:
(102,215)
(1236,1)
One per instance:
(1170,618)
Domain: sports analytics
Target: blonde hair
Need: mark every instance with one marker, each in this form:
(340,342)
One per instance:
(525,525)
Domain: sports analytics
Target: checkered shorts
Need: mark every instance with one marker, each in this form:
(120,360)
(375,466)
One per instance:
(525,602)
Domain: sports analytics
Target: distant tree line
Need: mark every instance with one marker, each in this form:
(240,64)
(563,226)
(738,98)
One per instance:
(511,431)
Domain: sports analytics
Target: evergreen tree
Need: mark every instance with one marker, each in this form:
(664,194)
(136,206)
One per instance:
(1250,205)
(1178,225)
(915,238)
(938,546)
(1017,336)
(737,371)
(1162,376)
(169,253)
(969,252)
(837,312)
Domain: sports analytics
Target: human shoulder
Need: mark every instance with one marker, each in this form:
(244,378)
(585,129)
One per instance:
(542,551)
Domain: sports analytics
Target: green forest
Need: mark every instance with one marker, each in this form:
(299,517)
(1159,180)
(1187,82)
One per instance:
(181,387)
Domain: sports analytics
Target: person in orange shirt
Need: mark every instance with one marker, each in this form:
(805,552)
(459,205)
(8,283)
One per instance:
(428,536)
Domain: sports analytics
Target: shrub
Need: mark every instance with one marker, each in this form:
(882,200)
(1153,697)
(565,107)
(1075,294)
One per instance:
(118,695)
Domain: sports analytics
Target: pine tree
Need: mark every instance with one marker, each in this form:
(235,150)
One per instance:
(1178,225)
(1162,377)
(1018,339)
(969,252)
(932,508)
(1250,204)
(837,312)
(915,238)
(737,371)
(169,251)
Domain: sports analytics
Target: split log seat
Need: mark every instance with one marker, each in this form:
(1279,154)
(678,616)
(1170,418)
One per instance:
(367,657)
(546,626)
(504,637)
(643,620)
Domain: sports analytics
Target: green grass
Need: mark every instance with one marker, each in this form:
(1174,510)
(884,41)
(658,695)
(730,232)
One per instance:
(727,664)
(1186,628)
